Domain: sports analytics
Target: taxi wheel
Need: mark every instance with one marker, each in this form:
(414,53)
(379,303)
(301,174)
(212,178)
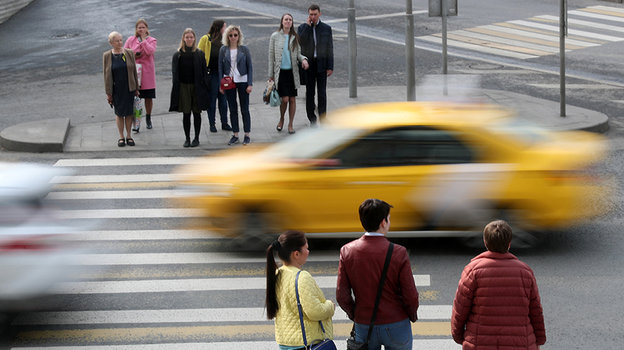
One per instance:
(255,233)
(524,236)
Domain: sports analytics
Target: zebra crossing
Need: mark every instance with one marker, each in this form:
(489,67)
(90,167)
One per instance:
(149,282)
(539,35)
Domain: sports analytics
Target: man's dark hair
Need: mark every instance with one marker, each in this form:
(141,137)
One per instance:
(497,236)
(314,7)
(372,213)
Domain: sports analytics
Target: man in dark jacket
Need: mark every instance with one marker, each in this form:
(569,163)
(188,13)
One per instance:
(359,272)
(497,304)
(317,44)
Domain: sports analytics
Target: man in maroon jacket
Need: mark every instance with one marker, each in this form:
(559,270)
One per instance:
(359,272)
(497,304)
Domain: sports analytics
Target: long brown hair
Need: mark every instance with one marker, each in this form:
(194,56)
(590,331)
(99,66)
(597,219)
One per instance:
(215,31)
(292,32)
(284,245)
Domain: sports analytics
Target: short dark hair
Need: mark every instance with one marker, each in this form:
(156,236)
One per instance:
(497,236)
(314,7)
(372,213)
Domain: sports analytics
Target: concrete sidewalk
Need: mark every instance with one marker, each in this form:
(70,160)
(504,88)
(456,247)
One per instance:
(58,135)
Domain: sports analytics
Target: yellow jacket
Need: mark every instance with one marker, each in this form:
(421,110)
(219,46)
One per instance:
(315,308)
(205,45)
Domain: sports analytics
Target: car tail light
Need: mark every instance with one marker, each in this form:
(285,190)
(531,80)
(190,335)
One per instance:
(34,243)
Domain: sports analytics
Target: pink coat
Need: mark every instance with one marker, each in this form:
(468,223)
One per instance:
(497,305)
(147,48)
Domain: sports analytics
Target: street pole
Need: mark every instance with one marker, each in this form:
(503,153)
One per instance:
(352,50)
(444,41)
(410,54)
(562,33)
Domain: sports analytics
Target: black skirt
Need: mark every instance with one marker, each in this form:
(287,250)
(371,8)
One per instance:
(147,93)
(286,83)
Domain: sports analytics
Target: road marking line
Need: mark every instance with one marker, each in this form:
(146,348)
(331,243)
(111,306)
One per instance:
(571,31)
(551,42)
(118,185)
(593,13)
(142,337)
(616,10)
(586,23)
(388,15)
(577,86)
(71,195)
(485,49)
(503,42)
(142,235)
(425,312)
(186,285)
(545,35)
(124,161)
(128,213)
(115,178)
(185,258)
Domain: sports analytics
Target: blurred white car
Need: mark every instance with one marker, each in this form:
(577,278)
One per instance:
(34,249)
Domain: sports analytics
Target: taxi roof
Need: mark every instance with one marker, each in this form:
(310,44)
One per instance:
(417,113)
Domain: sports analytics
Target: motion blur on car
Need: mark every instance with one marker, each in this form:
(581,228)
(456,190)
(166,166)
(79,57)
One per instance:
(448,168)
(35,252)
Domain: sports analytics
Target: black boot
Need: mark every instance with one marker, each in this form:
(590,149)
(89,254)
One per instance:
(148,121)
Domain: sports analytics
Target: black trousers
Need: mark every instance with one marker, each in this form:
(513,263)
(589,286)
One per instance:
(316,81)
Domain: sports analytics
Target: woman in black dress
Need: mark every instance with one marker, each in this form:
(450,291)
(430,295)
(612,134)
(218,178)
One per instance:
(120,83)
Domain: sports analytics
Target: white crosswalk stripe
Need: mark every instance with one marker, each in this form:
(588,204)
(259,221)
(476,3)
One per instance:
(131,277)
(425,312)
(539,36)
(421,344)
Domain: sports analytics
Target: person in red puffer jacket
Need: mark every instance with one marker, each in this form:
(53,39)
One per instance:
(497,304)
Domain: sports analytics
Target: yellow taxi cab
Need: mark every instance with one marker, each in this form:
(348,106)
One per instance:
(447,168)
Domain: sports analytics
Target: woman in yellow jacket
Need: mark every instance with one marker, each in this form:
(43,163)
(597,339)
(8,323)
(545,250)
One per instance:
(281,300)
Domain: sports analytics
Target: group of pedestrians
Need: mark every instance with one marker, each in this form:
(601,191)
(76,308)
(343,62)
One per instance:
(304,56)
(497,303)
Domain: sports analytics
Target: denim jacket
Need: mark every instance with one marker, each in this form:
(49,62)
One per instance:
(243,62)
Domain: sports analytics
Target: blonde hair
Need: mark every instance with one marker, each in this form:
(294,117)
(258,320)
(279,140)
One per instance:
(112,35)
(226,38)
(183,45)
(139,21)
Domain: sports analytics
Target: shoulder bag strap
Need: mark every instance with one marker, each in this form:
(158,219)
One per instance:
(305,341)
(382,281)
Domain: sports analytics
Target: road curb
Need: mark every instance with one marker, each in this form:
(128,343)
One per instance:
(47,135)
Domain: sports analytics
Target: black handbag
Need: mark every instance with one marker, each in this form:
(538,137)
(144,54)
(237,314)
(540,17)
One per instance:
(325,344)
(351,343)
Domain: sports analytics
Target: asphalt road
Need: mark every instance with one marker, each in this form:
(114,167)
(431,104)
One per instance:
(51,68)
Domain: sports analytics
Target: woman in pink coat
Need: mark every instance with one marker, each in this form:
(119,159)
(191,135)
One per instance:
(144,47)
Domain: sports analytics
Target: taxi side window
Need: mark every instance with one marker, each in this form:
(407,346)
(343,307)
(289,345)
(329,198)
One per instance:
(403,147)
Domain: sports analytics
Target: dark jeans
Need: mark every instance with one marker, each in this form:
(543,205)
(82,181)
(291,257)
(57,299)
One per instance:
(393,336)
(243,97)
(316,80)
(216,97)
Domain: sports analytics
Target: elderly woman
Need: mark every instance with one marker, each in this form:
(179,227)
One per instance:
(120,83)
(235,62)
(144,47)
(284,53)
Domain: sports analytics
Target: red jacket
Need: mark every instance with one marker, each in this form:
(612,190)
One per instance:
(359,270)
(497,305)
